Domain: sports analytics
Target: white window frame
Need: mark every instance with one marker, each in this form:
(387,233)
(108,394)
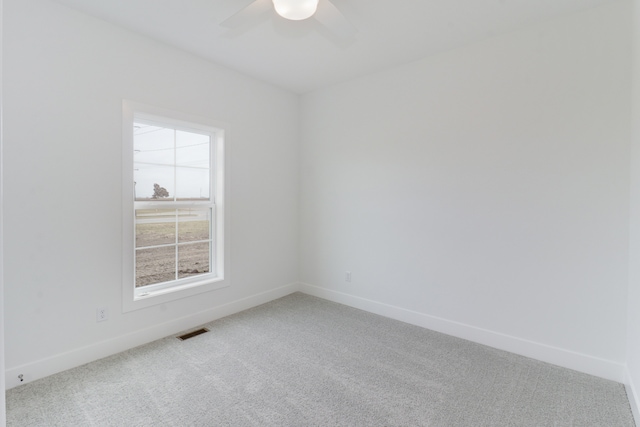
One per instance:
(135,298)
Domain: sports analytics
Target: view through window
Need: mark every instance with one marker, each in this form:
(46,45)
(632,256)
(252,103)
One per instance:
(174,204)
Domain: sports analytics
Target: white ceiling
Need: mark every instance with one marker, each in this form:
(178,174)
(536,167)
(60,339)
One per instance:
(302,56)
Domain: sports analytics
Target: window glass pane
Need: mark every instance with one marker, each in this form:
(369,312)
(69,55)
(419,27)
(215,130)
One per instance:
(193,259)
(153,160)
(153,144)
(193,224)
(192,161)
(153,183)
(155,227)
(192,183)
(192,149)
(155,265)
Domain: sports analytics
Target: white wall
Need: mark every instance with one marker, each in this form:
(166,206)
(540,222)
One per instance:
(487,186)
(65,77)
(633,340)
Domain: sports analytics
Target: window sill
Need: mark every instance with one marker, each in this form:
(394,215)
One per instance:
(138,300)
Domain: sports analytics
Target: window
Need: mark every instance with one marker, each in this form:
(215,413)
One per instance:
(173,209)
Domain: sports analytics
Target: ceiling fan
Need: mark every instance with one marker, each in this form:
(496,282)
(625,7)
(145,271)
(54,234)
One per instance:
(324,11)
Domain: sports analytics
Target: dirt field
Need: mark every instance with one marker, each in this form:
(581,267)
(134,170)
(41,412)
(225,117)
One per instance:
(158,264)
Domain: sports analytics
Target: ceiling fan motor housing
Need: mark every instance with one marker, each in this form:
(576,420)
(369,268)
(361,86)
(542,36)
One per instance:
(295,10)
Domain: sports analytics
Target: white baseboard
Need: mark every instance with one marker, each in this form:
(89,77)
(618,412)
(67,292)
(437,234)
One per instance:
(557,356)
(80,356)
(632,394)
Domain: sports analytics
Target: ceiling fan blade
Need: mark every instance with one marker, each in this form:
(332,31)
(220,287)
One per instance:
(331,17)
(251,12)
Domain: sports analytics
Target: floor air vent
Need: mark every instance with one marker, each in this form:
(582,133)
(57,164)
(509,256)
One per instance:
(193,334)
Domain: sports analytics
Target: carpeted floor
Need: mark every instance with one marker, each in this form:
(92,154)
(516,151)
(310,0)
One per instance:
(304,361)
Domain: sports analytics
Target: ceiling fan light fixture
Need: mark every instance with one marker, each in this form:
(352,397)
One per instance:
(295,10)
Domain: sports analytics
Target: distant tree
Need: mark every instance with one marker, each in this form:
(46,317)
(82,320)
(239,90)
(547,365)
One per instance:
(159,192)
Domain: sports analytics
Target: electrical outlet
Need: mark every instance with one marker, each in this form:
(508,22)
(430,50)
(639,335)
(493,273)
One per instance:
(347,276)
(102,314)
